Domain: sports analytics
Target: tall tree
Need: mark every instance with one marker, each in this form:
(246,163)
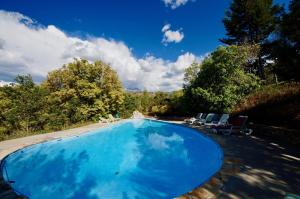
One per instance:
(191,74)
(285,49)
(250,21)
(290,26)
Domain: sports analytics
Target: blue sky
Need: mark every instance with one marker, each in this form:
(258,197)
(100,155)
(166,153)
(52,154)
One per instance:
(136,23)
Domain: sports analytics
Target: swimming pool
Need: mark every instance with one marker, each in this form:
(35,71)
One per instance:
(137,158)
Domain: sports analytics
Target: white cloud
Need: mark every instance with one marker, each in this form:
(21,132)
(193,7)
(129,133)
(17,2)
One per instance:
(4,83)
(28,47)
(175,3)
(170,35)
(166,27)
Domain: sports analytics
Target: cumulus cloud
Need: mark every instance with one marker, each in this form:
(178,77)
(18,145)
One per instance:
(29,47)
(171,35)
(173,4)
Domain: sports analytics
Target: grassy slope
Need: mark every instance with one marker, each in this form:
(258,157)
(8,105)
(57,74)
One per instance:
(275,110)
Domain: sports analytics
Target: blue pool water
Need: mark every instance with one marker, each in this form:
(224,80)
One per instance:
(132,159)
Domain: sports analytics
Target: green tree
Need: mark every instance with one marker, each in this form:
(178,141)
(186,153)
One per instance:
(191,74)
(222,81)
(29,103)
(177,105)
(290,26)
(81,91)
(251,21)
(8,117)
(285,50)
(22,106)
(130,105)
(145,102)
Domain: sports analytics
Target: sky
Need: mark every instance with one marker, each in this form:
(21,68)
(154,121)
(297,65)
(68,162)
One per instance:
(148,42)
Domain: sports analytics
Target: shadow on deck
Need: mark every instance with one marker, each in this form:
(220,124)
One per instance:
(253,168)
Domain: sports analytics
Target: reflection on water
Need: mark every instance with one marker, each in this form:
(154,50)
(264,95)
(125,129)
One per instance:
(134,159)
(160,142)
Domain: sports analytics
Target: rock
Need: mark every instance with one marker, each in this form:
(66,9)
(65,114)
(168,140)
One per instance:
(137,115)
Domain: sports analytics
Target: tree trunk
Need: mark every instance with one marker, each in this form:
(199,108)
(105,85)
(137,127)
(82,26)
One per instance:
(261,72)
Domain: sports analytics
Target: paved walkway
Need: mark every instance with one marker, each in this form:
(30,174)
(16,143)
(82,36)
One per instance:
(253,167)
(8,146)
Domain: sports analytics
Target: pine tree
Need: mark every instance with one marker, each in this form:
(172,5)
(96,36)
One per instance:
(286,49)
(290,26)
(250,21)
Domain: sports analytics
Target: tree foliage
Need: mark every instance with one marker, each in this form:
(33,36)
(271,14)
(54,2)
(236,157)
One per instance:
(191,73)
(290,25)
(77,92)
(82,91)
(22,106)
(154,103)
(285,49)
(222,81)
(250,21)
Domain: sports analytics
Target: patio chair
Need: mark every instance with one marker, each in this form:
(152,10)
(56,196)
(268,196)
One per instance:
(193,119)
(237,124)
(218,120)
(117,116)
(207,119)
(111,118)
(103,120)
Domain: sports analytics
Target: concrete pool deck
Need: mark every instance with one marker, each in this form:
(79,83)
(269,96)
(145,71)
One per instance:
(9,146)
(253,167)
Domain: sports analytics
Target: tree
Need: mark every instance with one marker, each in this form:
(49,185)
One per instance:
(222,81)
(82,91)
(8,118)
(22,106)
(191,74)
(29,103)
(79,91)
(145,102)
(290,26)
(130,105)
(285,50)
(251,21)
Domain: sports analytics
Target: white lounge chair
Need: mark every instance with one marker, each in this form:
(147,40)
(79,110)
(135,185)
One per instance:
(112,118)
(194,119)
(103,120)
(207,119)
(218,120)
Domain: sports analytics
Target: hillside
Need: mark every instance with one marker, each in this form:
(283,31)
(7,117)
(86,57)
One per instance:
(274,110)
